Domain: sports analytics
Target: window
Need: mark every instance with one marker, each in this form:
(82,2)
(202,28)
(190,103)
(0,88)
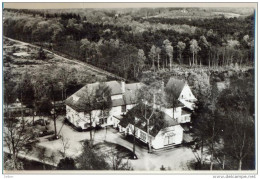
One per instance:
(123,108)
(142,136)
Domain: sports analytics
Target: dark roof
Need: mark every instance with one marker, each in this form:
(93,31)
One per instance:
(76,100)
(118,117)
(130,95)
(185,126)
(159,121)
(175,85)
(184,111)
(118,102)
(187,138)
(115,87)
(179,104)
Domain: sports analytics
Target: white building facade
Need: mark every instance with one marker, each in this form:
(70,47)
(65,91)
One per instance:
(122,98)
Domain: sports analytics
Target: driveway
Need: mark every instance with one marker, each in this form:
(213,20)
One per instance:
(174,159)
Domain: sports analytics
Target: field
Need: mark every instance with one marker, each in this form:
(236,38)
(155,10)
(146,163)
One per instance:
(20,58)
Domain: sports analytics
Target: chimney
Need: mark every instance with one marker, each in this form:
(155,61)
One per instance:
(123,86)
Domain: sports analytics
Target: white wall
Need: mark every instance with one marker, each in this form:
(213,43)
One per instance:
(177,112)
(72,115)
(184,118)
(138,133)
(79,119)
(177,130)
(186,93)
(158,141)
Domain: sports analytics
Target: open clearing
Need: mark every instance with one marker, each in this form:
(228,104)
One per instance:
(19,58)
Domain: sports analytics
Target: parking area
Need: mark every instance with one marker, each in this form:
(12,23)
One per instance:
(174,159)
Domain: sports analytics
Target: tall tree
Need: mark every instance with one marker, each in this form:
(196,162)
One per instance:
(141,59)
(169,51)
(88,105)
(194,48)
(158,52)
(237,106)
(85,44)
(104,103)
(239,138)
(152,55)
(150,97)
(180,46)
(90,159)
(203,43)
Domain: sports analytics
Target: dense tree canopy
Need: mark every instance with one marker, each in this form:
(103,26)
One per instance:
(112,42)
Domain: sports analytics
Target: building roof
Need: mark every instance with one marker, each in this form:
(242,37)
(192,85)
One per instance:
(117,102)
(176,86)
(76,101)
(187,138)
(115,87)
(130,95)
(159,121)
(185,111)
(118,116)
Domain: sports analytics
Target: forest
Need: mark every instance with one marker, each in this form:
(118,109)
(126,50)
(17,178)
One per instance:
(125,43)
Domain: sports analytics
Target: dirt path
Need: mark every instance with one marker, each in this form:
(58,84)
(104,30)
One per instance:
(91,67)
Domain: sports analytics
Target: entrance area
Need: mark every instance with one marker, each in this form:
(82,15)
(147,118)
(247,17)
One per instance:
(169,139)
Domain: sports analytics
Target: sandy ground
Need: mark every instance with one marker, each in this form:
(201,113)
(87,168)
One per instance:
(175,159)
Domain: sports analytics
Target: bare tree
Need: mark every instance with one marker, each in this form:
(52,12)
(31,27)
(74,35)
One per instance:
(88,108)
(239,136)
(148,96)
(17,135)
(118,161)
(65,146)
(95,98)
(42,155)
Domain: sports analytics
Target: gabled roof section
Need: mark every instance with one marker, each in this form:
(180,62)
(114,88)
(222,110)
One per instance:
(76,101)
(115,87)
(176,86)
(130,95)
(186,111)
(159,121)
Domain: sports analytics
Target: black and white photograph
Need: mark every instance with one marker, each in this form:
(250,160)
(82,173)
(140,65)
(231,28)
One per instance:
(129,87)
